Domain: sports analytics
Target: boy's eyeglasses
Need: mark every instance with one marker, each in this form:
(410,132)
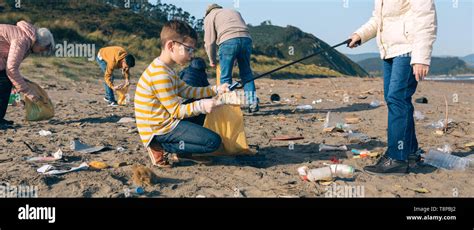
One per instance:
(188,49)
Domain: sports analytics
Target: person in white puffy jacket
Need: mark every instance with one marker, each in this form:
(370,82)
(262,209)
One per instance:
(405,31)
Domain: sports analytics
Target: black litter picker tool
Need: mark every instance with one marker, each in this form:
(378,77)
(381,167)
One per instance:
(240,84)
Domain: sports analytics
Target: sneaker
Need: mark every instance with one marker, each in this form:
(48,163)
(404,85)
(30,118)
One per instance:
(387,166)
(6,122)
(113,104)
(253,108)
(158,157)
(107,100)
(415,158)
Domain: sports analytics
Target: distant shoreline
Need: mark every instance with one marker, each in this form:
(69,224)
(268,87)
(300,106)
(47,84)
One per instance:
(457,79)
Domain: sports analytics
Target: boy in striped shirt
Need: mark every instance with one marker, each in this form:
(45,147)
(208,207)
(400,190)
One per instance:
(160,114)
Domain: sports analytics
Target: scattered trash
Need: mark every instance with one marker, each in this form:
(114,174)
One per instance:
(29,147)
(334,160)
(419,190)
(120,149)
(326,173)
(98,165)
(352,119)
(422,100)
(200,196)
(375,103)
(54,157)
(439,132)
(445,149)
(50,170)
(119,164)
(418,115)
(286,138)
(357,138)
(324,147)
(298,96)
(77,146)
(334,122)
(44,133)
(445,161)
(238,193)
(287,196)
(143,176)
(275,97)
(470,144)
(440,123)
(128,192)
(365,153)
(304,107)
(361,153)
(362,97)
(317,101)
(126,120)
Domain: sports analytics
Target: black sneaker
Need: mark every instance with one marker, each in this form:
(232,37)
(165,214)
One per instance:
(415,158)
(253,108)
(387,166)
(6,122)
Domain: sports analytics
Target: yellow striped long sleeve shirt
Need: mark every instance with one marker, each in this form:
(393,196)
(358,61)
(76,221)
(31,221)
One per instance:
(158,107)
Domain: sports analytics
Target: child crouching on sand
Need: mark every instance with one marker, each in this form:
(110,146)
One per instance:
(158,108)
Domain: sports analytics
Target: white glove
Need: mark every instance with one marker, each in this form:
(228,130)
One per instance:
(207,105)
(223,88)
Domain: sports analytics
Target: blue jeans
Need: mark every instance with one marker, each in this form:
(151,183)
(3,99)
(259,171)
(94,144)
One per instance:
(238,49)
(109,93)
(189,137)
(399,87)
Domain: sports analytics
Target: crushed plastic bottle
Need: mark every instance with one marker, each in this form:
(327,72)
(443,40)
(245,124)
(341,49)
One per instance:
(357,138)
(326,173)
(418,115)
(442,160)
(133,191)
(375,103)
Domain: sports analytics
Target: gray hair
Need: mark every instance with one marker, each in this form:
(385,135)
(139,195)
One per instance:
(45,38)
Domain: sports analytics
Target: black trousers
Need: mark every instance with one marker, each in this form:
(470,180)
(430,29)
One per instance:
(5,90)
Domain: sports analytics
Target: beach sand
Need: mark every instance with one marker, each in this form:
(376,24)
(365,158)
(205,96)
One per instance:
(81,113)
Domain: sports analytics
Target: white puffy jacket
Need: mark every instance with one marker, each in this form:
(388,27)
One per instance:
(402,26)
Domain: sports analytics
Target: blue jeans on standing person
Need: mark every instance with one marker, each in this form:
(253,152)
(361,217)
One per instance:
(399,86)
(238,49)
(189,138)
(109,93)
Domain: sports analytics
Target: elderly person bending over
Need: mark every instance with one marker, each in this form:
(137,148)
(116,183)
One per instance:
(16,43)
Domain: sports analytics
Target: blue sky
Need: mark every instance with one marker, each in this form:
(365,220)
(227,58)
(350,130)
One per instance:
(334,20)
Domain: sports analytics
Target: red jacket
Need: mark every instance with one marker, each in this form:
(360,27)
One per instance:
(15,45)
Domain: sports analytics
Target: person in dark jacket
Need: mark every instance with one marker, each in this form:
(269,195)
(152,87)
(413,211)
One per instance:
(195,75)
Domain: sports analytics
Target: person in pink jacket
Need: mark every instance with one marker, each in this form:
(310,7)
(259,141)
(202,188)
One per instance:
(405,31)
(16,43)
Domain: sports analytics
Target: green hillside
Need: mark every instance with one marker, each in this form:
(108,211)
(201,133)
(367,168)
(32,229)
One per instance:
(107,22)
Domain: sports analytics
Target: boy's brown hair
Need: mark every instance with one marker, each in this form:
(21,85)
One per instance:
(176,30)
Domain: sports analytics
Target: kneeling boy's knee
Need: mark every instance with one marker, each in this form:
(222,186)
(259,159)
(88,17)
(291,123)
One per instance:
(214,142)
